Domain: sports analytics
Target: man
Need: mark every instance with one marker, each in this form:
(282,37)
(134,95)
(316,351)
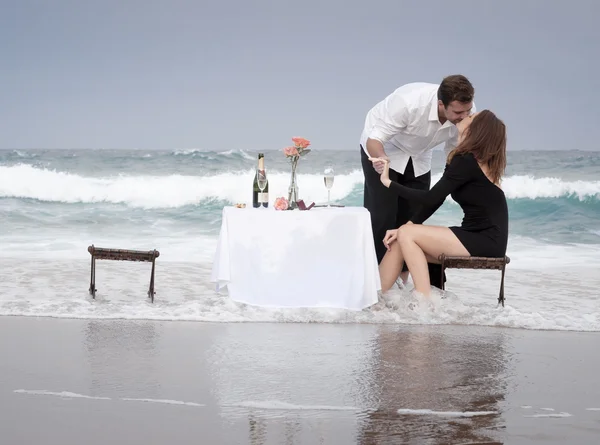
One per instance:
(404,128)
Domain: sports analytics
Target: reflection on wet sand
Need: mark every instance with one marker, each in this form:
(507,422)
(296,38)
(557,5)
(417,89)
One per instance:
(130,348)
(443,371)
(258,430)
(288,384)
(294,384)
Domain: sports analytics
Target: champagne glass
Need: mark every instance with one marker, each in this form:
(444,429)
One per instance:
(261,176)
(328,177)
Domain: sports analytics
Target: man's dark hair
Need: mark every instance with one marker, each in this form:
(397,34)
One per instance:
(455,87)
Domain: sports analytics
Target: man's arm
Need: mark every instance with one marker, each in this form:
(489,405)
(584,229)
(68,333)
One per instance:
(375,148)
(394,118)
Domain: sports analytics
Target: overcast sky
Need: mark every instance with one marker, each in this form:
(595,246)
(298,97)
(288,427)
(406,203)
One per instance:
(230,74)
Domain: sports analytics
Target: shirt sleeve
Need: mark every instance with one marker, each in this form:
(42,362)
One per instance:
(457,173)
(393,119)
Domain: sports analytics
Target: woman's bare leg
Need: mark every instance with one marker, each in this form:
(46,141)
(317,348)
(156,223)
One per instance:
(387,269)
(418,242)
(390,266)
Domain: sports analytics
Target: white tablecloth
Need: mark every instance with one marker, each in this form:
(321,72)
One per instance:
(323,257)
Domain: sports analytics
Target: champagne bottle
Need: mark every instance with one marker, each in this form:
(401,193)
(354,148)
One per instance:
(259,198)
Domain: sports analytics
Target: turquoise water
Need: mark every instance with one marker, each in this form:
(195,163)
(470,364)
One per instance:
(554,196)
(55,203)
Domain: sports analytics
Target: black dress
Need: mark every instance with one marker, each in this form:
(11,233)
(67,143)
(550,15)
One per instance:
(484,229)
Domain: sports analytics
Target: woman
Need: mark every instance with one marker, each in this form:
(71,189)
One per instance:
(472,177)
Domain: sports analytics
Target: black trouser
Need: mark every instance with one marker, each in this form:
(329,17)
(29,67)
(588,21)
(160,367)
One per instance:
(389,211)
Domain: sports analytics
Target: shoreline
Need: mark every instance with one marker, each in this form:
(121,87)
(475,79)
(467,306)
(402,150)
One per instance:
(553,300)
(388,323)
(265,382)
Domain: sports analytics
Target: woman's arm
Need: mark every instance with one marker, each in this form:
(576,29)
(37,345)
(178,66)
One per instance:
(424,212)
(459,171)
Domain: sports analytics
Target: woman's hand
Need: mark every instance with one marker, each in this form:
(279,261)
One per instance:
(385,173)
(390,237)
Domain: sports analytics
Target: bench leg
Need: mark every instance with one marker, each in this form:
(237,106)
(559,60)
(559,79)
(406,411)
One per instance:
(93,278)
(501,296)
(151,290)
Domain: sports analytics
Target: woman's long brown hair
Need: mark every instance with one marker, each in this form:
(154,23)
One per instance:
(485,138)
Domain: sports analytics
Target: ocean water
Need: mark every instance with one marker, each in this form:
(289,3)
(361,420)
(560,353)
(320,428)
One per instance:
(55,203)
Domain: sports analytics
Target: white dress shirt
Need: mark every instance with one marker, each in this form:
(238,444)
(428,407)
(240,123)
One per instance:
(407,124)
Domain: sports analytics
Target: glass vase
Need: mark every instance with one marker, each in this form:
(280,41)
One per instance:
(293,188)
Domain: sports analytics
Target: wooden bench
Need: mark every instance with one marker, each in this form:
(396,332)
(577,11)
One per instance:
(99,253)
(472,262)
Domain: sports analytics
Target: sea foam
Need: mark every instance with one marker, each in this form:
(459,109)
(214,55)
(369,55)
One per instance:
(170,191)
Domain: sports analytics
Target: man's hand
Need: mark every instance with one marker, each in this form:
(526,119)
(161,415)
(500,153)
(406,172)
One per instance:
(385,171)
(379,164)
(390,237)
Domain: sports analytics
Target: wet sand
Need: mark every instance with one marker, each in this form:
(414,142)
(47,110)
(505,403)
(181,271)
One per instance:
(142,382)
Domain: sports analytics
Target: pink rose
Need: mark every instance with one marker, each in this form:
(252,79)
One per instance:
(281,204)
(301,142)
(291,151)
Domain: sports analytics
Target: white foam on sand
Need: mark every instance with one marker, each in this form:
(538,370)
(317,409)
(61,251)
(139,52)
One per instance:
(73,395)
(429,412)
(550,415)
(63,394)
(278,405)
(168,402)
(264,405)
